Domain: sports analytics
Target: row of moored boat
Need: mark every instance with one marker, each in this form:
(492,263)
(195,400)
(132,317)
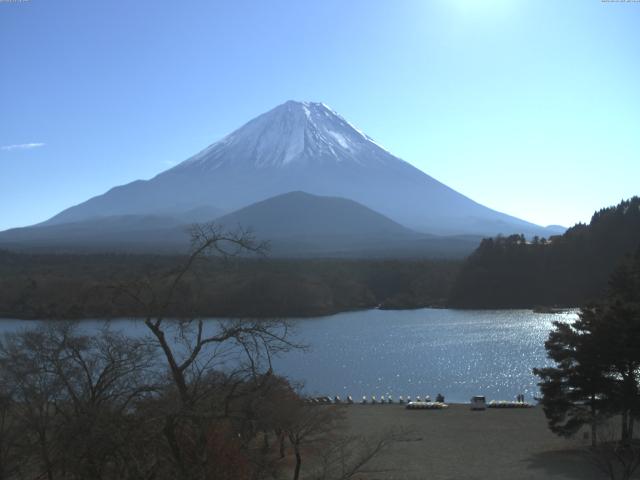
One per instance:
(374,400)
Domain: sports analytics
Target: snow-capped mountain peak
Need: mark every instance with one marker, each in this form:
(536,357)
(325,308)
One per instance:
(307,147)
(294,133)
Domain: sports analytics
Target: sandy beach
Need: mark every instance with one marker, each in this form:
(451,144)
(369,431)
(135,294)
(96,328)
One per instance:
(460,444)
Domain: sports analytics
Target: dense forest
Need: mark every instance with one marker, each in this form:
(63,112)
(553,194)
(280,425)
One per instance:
(80,286)
(566,270)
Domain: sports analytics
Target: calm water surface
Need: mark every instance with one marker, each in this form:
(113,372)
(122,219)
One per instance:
(409,352)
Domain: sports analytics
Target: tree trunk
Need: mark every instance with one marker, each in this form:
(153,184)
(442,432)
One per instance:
(281,438)
(170,435)
(625,427)
(594,423)
(45,456)
(174,368)
(296,473)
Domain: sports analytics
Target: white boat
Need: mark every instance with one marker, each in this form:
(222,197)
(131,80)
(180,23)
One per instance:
(426,406)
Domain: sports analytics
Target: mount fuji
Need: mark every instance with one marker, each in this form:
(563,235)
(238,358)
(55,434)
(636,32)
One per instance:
(297,147)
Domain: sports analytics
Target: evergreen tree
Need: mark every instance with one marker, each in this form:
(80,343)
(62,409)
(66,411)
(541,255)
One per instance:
(575,391)
(620,334)
(597,358)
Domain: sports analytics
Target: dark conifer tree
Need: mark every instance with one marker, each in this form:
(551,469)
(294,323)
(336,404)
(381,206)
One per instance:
(597,358)
(575,391)
(620,334)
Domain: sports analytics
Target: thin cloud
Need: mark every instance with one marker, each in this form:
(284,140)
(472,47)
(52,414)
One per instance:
(21,146)
(169,163)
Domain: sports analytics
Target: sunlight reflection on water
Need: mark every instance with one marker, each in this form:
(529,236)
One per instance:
(419,352)
(458,353)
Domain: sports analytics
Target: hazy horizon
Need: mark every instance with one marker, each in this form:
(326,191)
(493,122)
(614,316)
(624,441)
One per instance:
(531,109)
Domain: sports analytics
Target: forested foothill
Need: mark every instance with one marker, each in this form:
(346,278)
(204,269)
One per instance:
(564,271)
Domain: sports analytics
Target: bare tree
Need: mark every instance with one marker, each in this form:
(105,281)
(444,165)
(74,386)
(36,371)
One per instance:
(332,453)
(102,376)
(347,456)
(72,397)
(35,390)
(99,406)
(9,436)
(309,424)
(195,349)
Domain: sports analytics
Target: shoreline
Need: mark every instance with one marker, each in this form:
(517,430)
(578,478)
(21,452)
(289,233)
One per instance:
(552,311)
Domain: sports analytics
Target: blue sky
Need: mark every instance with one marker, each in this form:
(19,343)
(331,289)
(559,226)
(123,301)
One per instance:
(529,107)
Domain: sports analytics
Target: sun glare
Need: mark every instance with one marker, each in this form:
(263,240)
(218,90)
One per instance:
(481,7)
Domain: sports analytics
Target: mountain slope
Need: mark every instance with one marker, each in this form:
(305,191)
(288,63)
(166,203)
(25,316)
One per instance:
(298,214)
(301,224)
(131,233)
(301,146)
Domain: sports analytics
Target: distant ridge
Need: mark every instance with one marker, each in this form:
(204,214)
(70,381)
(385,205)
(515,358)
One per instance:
(296,224)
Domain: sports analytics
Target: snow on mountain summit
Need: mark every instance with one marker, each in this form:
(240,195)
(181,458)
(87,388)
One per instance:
(291,133)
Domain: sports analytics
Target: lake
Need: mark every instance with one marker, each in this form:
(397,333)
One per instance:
(458,353)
